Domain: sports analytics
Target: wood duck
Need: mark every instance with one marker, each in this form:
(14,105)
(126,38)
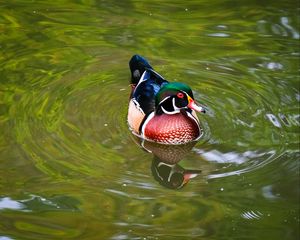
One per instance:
(159,110)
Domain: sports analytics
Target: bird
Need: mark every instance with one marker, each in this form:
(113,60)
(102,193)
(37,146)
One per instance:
(159,110)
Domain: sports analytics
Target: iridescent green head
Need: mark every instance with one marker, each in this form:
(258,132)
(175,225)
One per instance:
(172,89)
(175,96)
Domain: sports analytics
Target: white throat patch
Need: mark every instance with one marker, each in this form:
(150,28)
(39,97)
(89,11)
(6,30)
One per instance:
(176,109)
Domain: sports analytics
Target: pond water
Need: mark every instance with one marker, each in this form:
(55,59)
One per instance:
(71,169)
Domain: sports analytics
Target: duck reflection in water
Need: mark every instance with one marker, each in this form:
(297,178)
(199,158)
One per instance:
(165,165)
(171,175)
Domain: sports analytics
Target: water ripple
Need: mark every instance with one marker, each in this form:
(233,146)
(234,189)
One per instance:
(62,119)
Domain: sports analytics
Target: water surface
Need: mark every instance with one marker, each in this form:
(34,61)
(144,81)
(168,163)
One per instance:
(71,169)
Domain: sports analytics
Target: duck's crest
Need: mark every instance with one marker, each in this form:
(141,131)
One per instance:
(138,65)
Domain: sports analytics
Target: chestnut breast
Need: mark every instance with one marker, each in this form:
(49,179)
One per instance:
(172,128)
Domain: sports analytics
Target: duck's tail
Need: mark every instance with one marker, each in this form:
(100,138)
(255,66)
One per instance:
(138,65)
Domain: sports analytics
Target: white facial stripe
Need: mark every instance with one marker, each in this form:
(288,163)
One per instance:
(174,106)
(183,92)
(167,112)
(164,110)
(164,100)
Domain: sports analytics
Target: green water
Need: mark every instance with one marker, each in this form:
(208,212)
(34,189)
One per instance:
(69,166)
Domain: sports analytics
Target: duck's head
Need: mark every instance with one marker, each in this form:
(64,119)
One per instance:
(175,96)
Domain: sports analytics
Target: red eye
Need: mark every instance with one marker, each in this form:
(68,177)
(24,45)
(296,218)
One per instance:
(180,95)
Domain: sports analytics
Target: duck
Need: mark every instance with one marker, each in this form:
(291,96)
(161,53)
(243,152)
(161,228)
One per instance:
(159,110)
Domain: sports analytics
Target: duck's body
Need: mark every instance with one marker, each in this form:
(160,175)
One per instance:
(158,110)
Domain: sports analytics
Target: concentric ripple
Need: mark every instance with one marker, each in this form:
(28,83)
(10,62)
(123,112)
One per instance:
(72,118)
(246,110)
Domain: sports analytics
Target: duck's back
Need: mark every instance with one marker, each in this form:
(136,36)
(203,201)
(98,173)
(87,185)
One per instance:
(146,90)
